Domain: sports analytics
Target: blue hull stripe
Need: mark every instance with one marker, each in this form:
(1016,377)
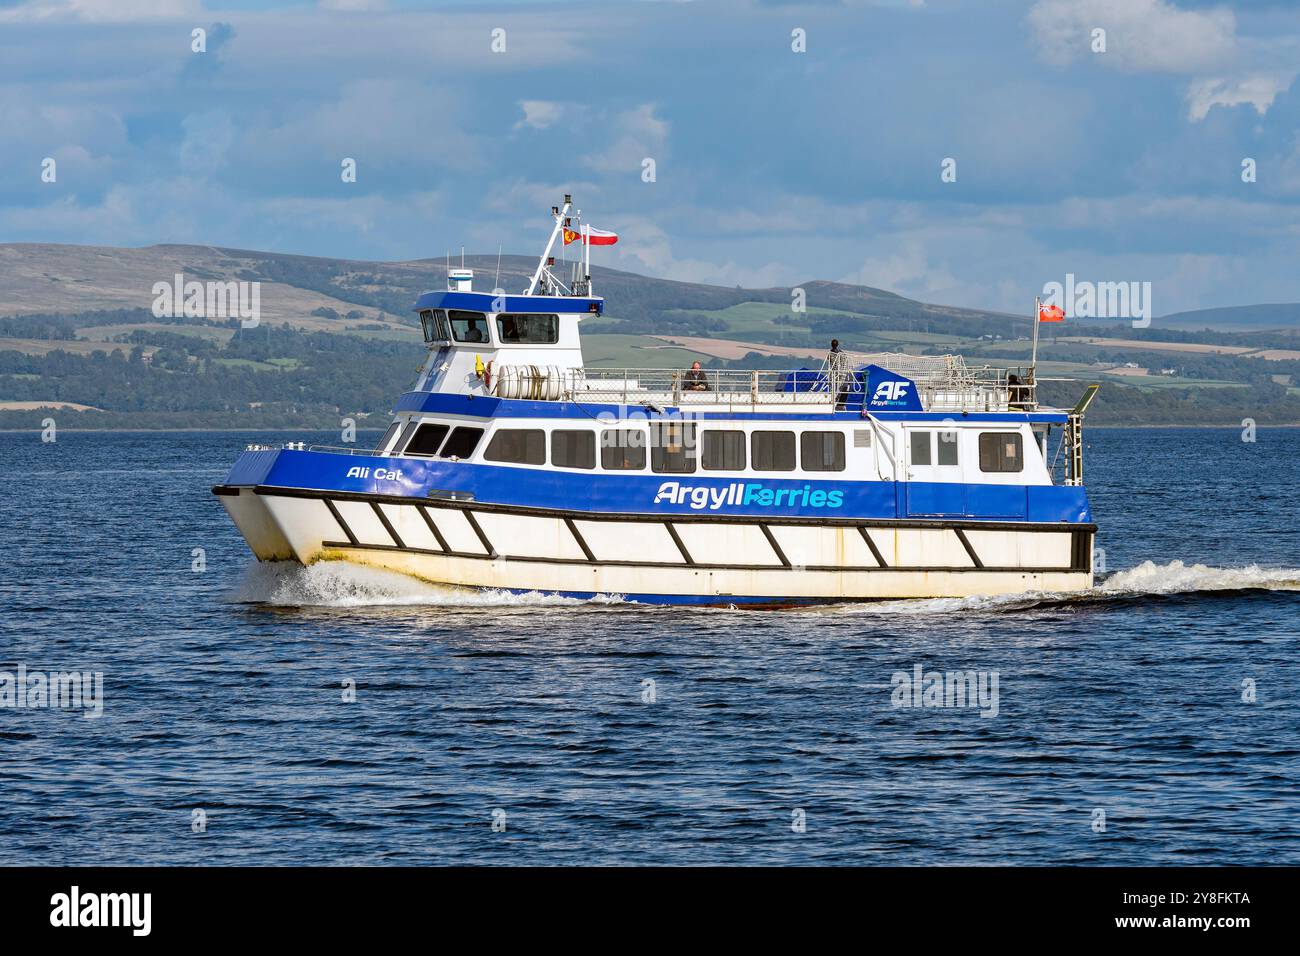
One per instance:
(666,495)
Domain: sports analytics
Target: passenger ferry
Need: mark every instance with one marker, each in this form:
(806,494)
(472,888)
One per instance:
(511,465)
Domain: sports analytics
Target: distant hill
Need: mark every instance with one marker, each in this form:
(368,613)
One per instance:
(338,339)
(1238,318)
(48,278)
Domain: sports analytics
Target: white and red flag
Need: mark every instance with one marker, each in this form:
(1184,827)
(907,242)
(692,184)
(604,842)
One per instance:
(593,237)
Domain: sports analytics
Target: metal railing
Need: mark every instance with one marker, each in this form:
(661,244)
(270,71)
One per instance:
(342,449)
(945,383)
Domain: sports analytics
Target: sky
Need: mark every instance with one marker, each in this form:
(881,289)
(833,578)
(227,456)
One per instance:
(772,165)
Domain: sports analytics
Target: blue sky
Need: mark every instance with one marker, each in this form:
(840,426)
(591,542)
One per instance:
(772,167)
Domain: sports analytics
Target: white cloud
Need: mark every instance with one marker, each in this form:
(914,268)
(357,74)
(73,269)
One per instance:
(1141,35)
(102,10)
(1256,89)
(540,114)
(639,134)
(354,4)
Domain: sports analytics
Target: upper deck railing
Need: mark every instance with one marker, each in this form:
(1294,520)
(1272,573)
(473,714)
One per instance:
(945,383)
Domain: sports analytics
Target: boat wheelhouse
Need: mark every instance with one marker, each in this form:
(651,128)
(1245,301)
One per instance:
(511,465)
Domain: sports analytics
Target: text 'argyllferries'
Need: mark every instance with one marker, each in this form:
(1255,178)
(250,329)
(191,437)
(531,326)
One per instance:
(509,464)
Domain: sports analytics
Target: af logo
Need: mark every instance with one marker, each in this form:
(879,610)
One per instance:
(890,391)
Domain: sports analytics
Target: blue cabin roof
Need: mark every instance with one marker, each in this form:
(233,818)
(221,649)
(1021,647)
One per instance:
(483,302)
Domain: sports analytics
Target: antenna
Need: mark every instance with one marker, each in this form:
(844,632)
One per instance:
(496,283)
(462,257)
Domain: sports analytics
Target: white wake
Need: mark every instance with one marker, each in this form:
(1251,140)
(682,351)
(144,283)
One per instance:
(344,584)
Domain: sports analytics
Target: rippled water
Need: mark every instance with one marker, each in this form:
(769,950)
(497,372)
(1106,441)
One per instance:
(223,692)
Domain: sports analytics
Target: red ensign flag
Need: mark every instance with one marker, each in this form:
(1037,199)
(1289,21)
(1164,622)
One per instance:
(1051,313)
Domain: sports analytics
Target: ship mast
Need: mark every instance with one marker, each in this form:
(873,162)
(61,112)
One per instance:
(560,213)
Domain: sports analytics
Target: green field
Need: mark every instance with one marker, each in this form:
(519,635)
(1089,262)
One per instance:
(635,351)
(106,333)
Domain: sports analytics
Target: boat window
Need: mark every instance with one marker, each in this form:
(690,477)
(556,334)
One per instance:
(434,323)
(462,442)
(523,446)
(388,435)
(1001,451)
(672,448)
(622,449)
(772,451)
(822,451)
(427,439)
(528,329)
(948,446)
(468,326)
(920,444)
(723,451)
(402,439)
(573,448)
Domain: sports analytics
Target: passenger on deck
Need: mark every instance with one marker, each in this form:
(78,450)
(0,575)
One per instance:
(838,372)
(695,380)
(1018,393)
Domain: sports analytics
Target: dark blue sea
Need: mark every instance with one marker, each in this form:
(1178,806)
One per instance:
(1154,721)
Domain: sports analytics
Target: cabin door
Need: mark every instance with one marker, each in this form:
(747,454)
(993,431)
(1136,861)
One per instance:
(934,475)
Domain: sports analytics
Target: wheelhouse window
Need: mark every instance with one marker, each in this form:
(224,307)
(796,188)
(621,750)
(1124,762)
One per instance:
(403,438)
(573,448)
(672,448)
(520,446)
(388,436)
(461,443)
(772,451)
(428,437)
(822,451)
(622,449)
(1002,451)
(434,323)
(526,329)
(723,451)
(468,326)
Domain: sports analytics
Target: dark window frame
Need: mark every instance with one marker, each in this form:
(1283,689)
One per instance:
(461,433)
(619,451)
(662,457)
(722,435)
(838,462)
(953,444)
(580,434)
(430,427)
(528,318)
(388,436)
(468,316)
(996,456)
(912,436)
(759,461)
(509,434)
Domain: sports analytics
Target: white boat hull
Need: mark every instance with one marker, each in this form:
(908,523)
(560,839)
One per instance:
(668,559)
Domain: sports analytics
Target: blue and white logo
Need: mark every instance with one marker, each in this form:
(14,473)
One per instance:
(891,392)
